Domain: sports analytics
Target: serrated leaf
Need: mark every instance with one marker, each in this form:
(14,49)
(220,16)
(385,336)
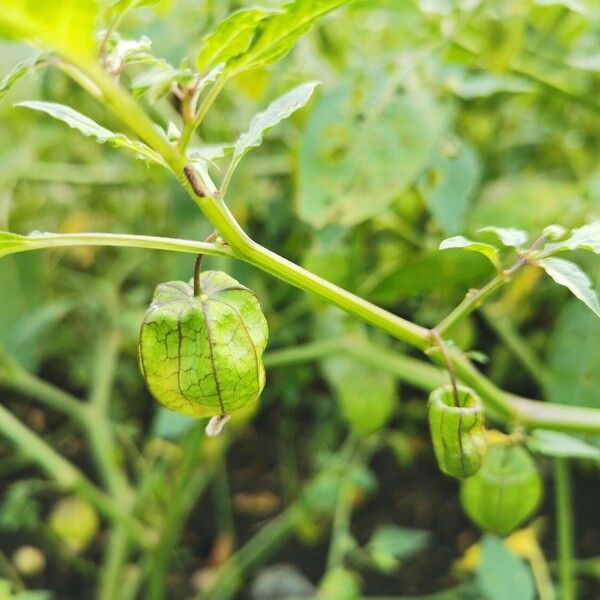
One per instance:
(90,128)
(582,238)
(65,26)
(568,274)
(230,38)
(277,34)
(561,445)
(459,241)
(509,236)
(17,73)
(278,110)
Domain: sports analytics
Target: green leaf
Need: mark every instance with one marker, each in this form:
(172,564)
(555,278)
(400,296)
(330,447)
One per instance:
(91,129)
(230,38)
(361,149)
(501,574)
(390,544)
(18,72)
(574,358)
(567,273)
(65,26)
(561,445)
(366,394)
(448,185)
(459,241)
(582,238)
(278,33)
(278,110)
(509,236)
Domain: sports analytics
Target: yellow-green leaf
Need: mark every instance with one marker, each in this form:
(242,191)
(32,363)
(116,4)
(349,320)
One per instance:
(65,26)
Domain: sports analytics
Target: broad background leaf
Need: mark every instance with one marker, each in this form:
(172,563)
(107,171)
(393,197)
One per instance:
(448,186)
(356,157)
(501,574)
(574,358)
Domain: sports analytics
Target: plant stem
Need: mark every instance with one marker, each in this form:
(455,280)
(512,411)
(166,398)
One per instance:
(188,486)
(120,240)
(201,113)
(472,300)
(564,524)
(435,334)
(301,354)
(197,265)
(243,247)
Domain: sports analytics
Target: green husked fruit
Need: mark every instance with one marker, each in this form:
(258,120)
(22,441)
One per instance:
(201,355)
(505,492)
(457,432)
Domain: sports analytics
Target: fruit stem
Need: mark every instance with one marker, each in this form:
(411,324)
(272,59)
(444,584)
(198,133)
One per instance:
(442,345)
(197,288)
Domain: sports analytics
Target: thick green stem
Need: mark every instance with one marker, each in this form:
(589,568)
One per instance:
(564,525)
(189,485)
(123,105)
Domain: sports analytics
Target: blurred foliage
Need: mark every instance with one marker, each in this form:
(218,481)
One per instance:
(433,118)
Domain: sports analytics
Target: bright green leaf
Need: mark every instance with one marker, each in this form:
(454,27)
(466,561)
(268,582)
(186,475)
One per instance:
(459,241)
(65,26)
(509,236)
(278,110)
(278,33)
(230,38)
(561,445)
(566,273)
(501,574)
(90,128)
(582,238)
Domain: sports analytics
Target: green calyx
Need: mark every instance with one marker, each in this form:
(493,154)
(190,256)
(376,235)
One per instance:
(505,492)
(457,430)
(201,355)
